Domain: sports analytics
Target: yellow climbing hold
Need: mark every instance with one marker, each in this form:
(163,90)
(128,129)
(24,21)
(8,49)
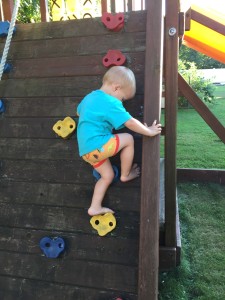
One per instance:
(103,223)
(65,128)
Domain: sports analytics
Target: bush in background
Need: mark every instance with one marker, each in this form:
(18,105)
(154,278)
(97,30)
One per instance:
(203,88)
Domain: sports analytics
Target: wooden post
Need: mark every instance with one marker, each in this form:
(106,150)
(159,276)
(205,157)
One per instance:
(171,94)
(113,6)
(104,6)
(7,9)
(150,187)
(44,10)
(1,12)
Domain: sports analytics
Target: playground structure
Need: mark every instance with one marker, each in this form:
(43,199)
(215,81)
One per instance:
(45,188)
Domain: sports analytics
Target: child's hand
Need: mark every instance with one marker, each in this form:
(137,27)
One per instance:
(154,129)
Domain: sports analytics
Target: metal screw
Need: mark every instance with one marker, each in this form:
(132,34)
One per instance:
(172,31)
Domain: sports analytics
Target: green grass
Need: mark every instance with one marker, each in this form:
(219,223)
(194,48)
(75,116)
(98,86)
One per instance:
(201,275)
(197,145)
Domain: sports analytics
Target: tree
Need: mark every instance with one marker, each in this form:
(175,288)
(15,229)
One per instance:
(29,11)
(203,88)
(201,61)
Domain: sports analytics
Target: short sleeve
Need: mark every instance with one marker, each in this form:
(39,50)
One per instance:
(117,115)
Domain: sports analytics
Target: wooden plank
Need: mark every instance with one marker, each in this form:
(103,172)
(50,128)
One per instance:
(54,171)
(206,21)
(42,106)
(61,47)
(70,66)
(135,22)
(27,128)
(171,91)
(41,129)
(149,227)
(24,148)
(201,108)
(58,106)
(201,175)
(119,196)
(64,219)
(79,273)
(167,258)
(50,87)
(55,86)
(109,249)
(13,287)
(49,149)
(66,171)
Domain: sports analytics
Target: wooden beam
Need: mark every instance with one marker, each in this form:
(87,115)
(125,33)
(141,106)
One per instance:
(201,175)
(201,108)
(104,6)
(7,9)
(44,10)
(150,188)
(113,6)
(171,94)
(206,21)
(188,20)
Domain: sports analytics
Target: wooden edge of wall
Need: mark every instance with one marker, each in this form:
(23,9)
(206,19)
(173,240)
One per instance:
(150,184)
(170,257)
(201,175)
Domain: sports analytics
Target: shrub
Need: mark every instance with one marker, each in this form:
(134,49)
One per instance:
(203,87)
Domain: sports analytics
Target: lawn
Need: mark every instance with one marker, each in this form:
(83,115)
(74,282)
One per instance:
(201,275)
(197,145)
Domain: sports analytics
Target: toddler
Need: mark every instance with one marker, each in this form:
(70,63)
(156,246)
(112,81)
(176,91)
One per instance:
(99,113)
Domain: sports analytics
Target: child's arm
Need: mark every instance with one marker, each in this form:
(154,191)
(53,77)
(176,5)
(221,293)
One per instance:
(136,126)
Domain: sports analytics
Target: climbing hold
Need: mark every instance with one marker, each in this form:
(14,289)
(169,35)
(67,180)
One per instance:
(2,107)
(113,22)
(52,247)
(65,128)
(113,58)
(4,28)
(103,223)
(116,174)
(7,67)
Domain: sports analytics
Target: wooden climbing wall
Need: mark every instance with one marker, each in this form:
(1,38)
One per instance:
(45,188)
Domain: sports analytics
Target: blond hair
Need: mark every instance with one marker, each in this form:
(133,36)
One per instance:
(121,75)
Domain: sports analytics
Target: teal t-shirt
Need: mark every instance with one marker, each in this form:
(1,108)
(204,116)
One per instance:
(99,113)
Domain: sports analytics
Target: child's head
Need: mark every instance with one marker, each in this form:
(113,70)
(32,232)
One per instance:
(122,81)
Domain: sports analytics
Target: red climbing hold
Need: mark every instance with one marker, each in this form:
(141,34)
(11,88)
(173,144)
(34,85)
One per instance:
(113,58)
(113,22)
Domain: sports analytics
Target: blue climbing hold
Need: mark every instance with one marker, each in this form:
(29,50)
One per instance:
(52,247)
(116,174)
(2,107)
(7,68)
(4,28)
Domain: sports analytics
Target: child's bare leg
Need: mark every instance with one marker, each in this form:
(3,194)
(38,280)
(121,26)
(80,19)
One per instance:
(101,186)
(128,170)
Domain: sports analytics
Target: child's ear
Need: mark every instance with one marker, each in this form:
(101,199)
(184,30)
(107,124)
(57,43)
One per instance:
(117,87)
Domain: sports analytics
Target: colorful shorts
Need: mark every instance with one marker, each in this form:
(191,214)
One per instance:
(97,157)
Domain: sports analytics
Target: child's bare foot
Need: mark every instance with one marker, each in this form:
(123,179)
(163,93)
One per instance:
(134,173)
(103,210)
